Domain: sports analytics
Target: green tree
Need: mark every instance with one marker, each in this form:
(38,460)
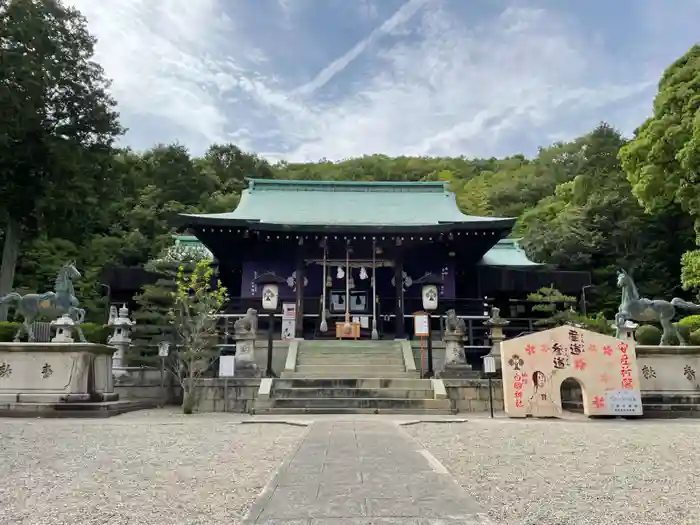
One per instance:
(663,160)
(57,124)
(196,304)
(593,223)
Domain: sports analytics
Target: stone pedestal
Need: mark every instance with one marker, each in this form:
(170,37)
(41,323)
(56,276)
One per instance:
(245,356)
(55,373)
(455,365)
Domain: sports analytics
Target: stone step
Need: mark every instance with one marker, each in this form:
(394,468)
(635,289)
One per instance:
(345,382)
(351,360)
(349,351)
(355,370)
(391,393)
(339,373)
(403,411)
(345,342)
(366,403)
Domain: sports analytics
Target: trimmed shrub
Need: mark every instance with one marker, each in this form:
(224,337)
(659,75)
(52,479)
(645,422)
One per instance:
(695,338)
(648,334)
(596,324)
(94,333)
(683,330)
(8,331)
(691,322)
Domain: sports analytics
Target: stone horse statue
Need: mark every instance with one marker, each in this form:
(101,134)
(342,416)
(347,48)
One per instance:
(636,308)
(53,304)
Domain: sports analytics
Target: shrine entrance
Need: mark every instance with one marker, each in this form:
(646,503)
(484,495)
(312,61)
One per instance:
(350,305)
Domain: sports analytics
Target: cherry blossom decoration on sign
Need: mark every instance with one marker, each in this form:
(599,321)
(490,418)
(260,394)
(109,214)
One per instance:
(610,385)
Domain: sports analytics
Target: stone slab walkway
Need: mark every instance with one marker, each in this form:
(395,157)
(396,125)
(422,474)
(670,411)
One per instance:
(363,473)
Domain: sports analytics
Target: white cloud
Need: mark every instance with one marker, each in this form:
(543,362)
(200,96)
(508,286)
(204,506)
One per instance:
(459,87)
(427,81)
(400,17)
(160,56)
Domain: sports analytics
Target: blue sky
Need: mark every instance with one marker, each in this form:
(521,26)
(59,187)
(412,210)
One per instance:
(300,80)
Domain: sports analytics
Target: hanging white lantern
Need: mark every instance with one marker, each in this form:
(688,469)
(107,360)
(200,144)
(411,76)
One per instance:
(341,273)
(430,297)
(429,291)
(363,273)
(270,290)
(270,296)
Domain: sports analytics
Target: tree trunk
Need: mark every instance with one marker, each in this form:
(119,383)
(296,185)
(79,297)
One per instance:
(10,252)
(188,400)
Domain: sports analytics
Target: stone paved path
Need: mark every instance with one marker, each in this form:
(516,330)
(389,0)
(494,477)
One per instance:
(363,473)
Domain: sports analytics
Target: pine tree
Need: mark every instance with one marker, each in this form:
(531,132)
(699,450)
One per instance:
(153,321)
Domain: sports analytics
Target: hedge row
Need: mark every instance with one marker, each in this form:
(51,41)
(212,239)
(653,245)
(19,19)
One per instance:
(651,335)
(95,333)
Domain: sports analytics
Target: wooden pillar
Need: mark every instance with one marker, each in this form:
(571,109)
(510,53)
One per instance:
(301,274)
(398,279)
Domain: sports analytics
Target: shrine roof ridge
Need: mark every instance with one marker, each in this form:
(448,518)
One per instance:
(357,205)
(346,185)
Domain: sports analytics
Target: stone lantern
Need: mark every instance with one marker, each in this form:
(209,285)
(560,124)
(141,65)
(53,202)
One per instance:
(120,337)
(64,329)
(270,300)
(429,293)
(495,324)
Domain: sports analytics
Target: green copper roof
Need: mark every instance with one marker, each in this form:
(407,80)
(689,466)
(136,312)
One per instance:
(507,253)
(348,203)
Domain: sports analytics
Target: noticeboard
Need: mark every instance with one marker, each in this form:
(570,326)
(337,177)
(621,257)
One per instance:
(421,327)
(227,365)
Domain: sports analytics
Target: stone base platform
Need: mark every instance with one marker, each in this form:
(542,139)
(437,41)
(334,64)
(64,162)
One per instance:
(100,409)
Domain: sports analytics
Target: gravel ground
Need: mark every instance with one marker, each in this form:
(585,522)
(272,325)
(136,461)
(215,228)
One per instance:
(146,468)
(574,472)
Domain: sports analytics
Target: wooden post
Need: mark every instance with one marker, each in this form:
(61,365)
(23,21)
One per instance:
(301,274)
(398,280)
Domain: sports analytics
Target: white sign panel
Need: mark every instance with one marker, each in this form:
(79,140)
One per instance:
(289,322)
(227,366)
(163,349)
(420,325)
(289,311)
(624,402)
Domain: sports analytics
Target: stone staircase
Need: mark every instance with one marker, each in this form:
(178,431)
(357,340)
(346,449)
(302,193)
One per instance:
(350,359)
(354,377)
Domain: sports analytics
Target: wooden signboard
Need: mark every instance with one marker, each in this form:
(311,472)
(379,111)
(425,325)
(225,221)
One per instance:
(535,365)
(420,324)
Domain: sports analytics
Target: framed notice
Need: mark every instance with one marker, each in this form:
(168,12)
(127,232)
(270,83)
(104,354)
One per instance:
(420,325)
(227,365)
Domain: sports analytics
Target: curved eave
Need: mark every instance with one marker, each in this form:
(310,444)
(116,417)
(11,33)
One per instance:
(489,224)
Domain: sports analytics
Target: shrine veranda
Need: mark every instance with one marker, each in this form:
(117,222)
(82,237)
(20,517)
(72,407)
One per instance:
(346,235)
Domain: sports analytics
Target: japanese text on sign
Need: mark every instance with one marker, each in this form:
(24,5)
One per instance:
(518,381)
(625,369)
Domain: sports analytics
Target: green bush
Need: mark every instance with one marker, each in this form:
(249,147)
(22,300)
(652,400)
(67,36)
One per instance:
(7,331)
(692,322)
(695,338)
(595,324)
(94,333)
(648,334)
(684,331)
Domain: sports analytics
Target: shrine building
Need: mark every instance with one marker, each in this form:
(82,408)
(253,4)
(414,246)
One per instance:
(357,248)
